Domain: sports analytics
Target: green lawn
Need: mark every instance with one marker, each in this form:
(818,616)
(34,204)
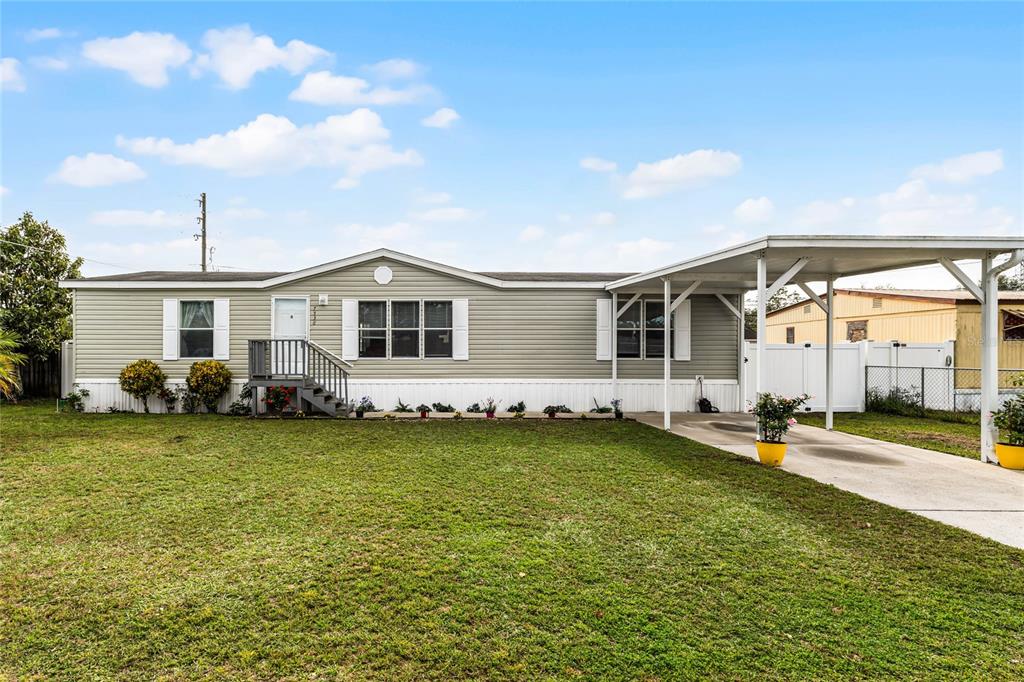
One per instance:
(139,547)
(955,438)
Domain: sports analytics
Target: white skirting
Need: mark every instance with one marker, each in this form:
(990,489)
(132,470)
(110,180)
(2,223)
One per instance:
(638,395)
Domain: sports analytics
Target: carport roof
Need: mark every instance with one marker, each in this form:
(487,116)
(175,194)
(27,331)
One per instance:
(828,256)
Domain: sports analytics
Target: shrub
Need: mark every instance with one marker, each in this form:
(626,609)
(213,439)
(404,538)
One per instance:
(517,407)
(441,407)
(899,401)
(276,398)
(775,415)
(190,402)
(243,405)
(75,400)
(1010,420)
(142,379)
(209,379)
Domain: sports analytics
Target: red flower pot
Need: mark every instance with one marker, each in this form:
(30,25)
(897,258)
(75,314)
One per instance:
(551,415)
(490,415)
(423,414)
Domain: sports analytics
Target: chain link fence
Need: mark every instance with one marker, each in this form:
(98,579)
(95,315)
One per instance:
(950,389)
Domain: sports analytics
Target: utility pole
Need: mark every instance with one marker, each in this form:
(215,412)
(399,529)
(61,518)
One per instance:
(202,222)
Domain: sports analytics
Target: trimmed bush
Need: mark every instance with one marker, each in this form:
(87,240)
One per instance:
(142,379)
(209,379)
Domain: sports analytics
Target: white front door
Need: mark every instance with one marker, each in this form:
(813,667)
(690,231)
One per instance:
(290,323)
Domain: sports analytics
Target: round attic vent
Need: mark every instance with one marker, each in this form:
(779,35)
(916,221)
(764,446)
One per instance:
(383,275)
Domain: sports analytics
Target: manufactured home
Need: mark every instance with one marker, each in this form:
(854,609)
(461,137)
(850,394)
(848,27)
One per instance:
(392,326)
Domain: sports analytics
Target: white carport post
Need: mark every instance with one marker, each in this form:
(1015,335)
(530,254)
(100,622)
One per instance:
(615,345)
(762,313)
(989,358)
(668,352)
(830,334)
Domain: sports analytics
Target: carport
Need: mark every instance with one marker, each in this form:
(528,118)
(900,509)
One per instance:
(770,263)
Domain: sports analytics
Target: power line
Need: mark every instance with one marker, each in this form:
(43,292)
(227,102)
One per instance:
(91,260)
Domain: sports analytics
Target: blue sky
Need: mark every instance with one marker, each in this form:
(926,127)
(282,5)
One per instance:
(489,136)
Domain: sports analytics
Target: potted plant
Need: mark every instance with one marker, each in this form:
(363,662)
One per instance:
(617,406)
(774,415)
(517,408)
(1010,421)
(551,411)
(402,407)
(489,407)
(365,405)
(424,410)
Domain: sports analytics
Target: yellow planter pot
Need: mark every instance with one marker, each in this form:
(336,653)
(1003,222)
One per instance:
(1010,456)
(770,453)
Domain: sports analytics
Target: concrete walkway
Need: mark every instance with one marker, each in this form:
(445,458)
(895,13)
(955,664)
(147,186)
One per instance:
(982,498)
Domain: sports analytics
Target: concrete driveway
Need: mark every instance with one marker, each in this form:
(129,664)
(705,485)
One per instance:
(982,498)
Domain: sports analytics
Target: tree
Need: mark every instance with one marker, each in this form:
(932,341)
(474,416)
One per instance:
(780,299)
(1011,282)
(33,259)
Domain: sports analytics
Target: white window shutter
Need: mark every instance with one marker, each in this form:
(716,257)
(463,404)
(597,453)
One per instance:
(681,326)
(460,329)
(170,329)
(221,329)
(604,329)
(349,329)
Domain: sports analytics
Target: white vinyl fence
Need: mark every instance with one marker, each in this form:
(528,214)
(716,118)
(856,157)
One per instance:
(793,369)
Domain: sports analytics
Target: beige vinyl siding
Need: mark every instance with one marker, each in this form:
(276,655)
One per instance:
(513,333)
(910,321)
(968,339)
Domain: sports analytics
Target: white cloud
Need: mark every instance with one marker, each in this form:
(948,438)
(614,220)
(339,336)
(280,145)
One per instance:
(324,88)
(4,191)
(603,219)
(821,213)
(532,233)
(571,240)
(679,172)
(49,63)
(395,69)
(96,170)
(758,210)
(145,57)
(273,144)
(445,214)
(599,165)
(241,214)
(643,251)
(961,169)
(914,209)
(10,75)
(442,118)
(713,229)
(432,197)
(134,218)
(37,34)
(236,54)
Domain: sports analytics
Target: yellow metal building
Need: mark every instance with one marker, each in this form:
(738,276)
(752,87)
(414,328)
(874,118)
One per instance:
(909,316)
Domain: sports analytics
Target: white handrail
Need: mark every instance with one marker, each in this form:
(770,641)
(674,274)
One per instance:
(327,352)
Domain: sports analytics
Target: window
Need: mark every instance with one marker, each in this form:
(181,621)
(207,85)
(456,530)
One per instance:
(405,329)
(654,329)
(640,330)
(196,329)
(790,334)
(628,331)
(373,332)
(1013,325)
(437,329)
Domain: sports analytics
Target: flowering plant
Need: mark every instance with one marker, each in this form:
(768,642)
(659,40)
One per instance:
(366,405)
(489,406)
(278,397)
(1010,421)
(774,415)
